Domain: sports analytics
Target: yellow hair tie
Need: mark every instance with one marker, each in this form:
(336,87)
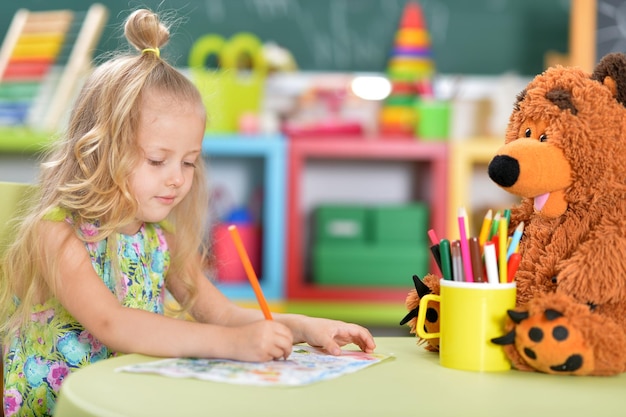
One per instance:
(154,50)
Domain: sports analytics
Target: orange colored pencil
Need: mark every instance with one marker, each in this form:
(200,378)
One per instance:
(247,265)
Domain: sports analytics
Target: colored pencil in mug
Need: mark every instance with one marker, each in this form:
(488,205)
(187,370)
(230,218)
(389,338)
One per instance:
(477,261)
(432,235)
(434,248)
(517,235)
(446,259)
(503,228)
(457,261)
(491,263)
(512,266)
(484,229)
(494,226)
(507,216)
(465,253)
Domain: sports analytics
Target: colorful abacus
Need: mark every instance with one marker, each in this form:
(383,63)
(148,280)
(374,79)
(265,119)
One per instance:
(35,43)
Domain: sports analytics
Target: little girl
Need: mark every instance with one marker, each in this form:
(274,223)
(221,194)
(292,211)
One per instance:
(118,220)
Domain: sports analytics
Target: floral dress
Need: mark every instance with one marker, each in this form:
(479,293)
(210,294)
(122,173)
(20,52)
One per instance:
(53,343)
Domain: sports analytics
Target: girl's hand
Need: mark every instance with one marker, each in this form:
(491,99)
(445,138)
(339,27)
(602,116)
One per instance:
(260,341)
(332,335)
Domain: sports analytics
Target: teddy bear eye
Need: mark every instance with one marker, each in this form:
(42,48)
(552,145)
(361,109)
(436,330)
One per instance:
(543,138)
(528,132)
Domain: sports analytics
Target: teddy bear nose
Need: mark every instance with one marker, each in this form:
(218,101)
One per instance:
(504,170)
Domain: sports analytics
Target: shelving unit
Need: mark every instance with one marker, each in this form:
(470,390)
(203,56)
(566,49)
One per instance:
(441,175)
(272,150)
(20,150)
(23,140)
(429,158)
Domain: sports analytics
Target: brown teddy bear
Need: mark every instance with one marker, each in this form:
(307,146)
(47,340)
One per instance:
(564,156)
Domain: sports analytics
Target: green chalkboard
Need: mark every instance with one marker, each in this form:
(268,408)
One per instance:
(468,36)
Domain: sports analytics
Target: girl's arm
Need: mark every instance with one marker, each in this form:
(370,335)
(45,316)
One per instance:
(82,292)
(213,307)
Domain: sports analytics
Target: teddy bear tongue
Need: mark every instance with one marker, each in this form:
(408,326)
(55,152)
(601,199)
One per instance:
(540,201)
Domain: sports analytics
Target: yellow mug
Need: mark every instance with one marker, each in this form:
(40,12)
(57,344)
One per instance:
(471,314)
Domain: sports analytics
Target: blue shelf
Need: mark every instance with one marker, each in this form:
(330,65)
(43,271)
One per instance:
(273,150)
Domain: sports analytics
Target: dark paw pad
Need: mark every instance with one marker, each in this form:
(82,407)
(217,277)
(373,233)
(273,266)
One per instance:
(548,343)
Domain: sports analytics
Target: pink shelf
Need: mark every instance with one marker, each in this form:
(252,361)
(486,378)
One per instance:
(430,156)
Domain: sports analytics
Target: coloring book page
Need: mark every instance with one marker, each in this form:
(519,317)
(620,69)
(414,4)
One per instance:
(305,365)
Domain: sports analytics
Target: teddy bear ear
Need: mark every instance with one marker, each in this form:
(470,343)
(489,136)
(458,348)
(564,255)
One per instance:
(611,71)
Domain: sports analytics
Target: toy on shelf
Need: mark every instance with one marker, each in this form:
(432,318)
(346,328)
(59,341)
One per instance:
(231,92)
(278,58)
(320,111)
(227,267)
(409,70)
(43,58)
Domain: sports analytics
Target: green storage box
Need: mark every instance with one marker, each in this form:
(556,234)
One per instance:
(368,265)
(341,224)
(405,224)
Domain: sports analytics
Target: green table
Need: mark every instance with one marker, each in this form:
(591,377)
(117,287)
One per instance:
(412,383)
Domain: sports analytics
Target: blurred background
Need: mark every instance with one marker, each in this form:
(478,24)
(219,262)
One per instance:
(340,131)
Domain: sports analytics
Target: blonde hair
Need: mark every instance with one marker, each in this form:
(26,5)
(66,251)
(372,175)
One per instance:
(87,172)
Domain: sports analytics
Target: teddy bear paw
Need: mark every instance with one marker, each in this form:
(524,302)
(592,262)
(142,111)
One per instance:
(431,322)
(547,341)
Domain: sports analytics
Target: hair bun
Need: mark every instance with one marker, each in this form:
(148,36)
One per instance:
(144,29)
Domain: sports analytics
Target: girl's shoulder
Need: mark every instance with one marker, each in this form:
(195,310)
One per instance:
(67,217)
(57,214)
